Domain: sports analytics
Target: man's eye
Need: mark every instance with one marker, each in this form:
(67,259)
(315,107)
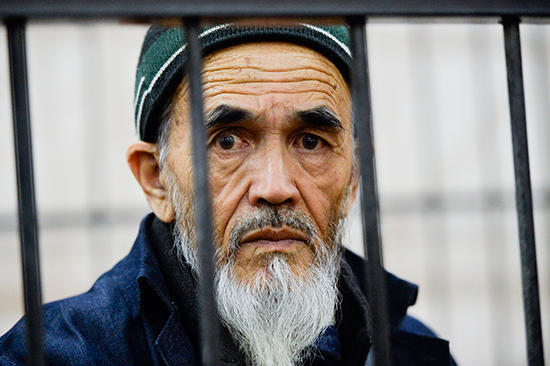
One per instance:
(226,142)
(310,142)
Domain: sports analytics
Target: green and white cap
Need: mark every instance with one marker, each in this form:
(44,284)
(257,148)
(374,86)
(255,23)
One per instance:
(162,60)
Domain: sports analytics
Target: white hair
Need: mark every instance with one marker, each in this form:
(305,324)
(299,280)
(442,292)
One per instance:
(278,317)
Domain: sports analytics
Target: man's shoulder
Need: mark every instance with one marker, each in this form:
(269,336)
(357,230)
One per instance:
(91,328)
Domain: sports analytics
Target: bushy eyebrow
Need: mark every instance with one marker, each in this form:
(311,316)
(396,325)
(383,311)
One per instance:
(226,114)
(320,117)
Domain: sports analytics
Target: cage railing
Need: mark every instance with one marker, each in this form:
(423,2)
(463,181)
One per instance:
(355,13)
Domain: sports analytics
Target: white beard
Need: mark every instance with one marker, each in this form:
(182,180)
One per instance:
(279,315)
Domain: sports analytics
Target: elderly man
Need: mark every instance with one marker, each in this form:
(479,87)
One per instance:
(283,177)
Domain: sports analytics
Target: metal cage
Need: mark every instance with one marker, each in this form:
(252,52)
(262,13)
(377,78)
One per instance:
(355,13)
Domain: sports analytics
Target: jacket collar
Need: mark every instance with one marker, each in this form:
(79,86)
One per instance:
(353,315)
(408,348)
(173,287)
(401,294)
(162,321)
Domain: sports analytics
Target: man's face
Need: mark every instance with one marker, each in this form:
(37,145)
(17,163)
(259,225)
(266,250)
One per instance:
(278,125)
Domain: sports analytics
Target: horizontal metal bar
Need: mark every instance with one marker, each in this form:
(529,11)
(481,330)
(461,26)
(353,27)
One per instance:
(28,228)
(313,8)
(524,202)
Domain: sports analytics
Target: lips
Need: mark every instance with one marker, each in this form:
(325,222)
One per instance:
(280,236)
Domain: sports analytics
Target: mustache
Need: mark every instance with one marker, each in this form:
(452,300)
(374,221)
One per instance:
(277,217)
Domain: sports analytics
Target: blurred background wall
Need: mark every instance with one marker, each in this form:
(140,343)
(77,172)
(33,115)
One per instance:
(444,167)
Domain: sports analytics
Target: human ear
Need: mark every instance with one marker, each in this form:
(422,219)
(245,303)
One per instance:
(143,162)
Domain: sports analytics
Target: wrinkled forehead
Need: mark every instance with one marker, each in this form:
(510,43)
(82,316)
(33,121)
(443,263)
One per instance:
(265,77)
(270,53)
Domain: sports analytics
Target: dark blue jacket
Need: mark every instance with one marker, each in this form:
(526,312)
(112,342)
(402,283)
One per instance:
(134,315)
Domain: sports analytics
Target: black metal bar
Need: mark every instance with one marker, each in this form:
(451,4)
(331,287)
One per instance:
(524,202)
(209,322)
(362,117)
(28,228)
(313,8)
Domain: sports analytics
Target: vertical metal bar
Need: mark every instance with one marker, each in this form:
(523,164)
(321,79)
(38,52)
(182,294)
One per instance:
(524,201)
(376,285)
(209,322)
(28,228)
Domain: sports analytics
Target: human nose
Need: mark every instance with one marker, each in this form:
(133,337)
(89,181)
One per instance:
(273,182)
